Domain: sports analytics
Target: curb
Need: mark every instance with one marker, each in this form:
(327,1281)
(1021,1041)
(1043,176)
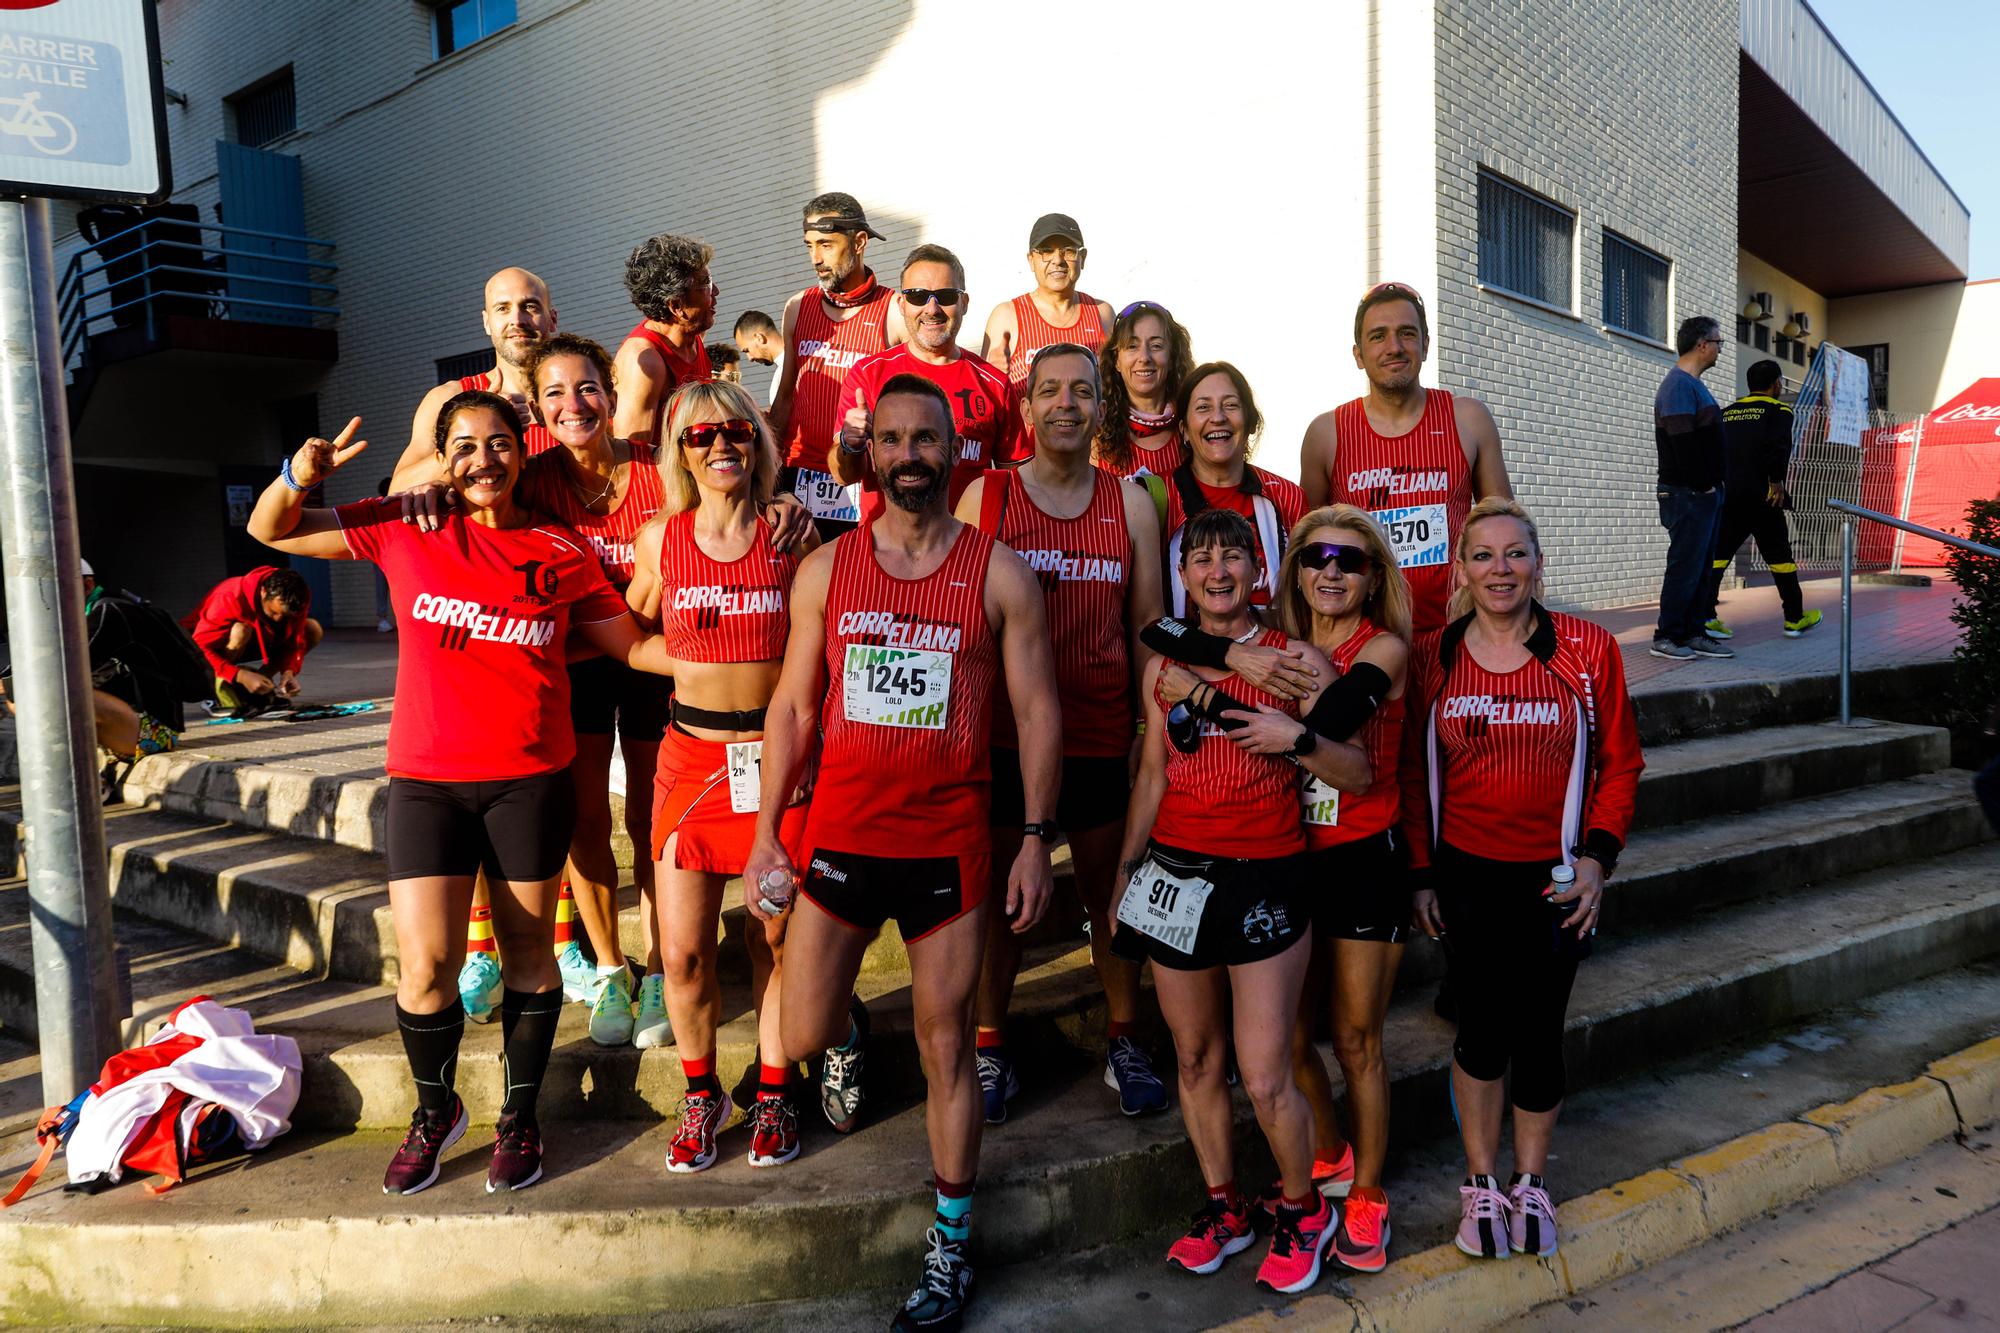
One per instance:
(1642,1221)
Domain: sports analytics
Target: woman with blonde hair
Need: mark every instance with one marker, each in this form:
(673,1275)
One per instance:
(1517,793)
(712,575)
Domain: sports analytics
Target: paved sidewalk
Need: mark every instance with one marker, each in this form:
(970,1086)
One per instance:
(1945,1282)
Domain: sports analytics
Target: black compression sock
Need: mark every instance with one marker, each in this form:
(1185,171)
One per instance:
(430,1043)
(528,1028)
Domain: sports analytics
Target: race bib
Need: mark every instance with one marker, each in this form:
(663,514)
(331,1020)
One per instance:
(824,496)
(1322,803)
(1165,905)
(896,687)
(1417,535)
(746,775)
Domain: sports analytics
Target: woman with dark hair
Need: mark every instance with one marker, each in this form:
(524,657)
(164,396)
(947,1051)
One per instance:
(479,748)
(1517,794)
(669,281)
(715,579)
(1151,356)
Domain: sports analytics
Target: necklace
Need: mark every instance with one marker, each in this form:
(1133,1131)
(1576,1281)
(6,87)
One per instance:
(591,502)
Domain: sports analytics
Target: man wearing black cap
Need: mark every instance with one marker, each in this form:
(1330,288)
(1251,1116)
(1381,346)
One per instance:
(1054,312)
(827,330)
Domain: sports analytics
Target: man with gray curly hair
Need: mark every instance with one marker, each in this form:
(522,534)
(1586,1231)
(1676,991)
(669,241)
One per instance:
(668,278)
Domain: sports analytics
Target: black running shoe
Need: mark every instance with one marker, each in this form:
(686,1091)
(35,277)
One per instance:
(517,1155)
(840,1087)
(938,1304)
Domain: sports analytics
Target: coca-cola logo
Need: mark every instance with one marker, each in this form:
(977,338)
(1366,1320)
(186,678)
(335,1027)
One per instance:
(1971,412)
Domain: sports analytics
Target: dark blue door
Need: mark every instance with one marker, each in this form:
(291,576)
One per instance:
(263,192)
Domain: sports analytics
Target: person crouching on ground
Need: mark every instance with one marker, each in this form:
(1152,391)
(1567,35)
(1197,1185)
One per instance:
(255,630)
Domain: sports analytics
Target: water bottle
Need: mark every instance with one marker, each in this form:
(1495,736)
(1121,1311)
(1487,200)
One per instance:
(1564,878)
(774,890)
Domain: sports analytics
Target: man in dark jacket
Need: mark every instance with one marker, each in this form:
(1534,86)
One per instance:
(1757,447)
(255,631)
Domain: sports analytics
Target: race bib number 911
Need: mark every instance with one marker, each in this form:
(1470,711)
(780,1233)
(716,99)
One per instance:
(1165,905)
(896,687)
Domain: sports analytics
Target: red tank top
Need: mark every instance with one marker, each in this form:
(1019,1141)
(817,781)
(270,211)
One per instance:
(1082,564)
(680,370)
(1034,333)
(910,664)
(549,489)
(1158,454)
(716,612)
(535,437)
(1419,487)
(824,351)
(1273,509)
(1224,801)
(1506,746)
(1334,817)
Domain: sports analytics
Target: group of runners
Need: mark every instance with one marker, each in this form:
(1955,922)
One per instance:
(879,648)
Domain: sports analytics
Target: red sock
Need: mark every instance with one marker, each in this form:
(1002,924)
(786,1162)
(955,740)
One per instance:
(952,1189)
(771,1079)
(1305,1203)
(1227,1195)
(700,1074)
(989,1038)
(1115,1029)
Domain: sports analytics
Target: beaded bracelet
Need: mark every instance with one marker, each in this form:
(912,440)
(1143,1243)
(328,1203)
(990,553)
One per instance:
(285,474)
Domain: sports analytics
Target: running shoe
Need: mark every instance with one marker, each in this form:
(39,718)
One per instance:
(840,1086)
(1361,1242)
(940,1299)
(1531,1222)
(1675,652)
(415,1165)
(1335,1179)
(611,1012)
(479,987)
(652,1028)
(1796,628)
(1703,646)
(1482,1219)
(774,1130)
(1292,1264)
(1716,629)
(1216,1234)
(1130,1074)
(997,1084)
(579,974)
(517,1155)
(703,1115)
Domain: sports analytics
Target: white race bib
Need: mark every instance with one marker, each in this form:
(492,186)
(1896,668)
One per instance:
(824,496)
(746,776)
(896,687)
(1417,534)
(1322,803)
(1165,905)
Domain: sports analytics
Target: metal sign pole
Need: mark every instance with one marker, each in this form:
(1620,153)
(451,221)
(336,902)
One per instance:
(69,900)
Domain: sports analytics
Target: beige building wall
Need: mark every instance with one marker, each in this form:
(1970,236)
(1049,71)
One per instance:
(1940,338)
(1789,296)
(1628,119)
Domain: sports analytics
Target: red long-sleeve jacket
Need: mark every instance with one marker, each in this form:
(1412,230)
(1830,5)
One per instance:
(234,601)
(1603,785)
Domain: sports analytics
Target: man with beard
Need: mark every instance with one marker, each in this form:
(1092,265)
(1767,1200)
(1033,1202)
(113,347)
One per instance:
(1415,458)
(985,420)
(668,279)
(1054,312)
(757,340)
(1093,543)
(898,632)
(516,314)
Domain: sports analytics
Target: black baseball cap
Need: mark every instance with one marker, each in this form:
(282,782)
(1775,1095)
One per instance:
(1051,225)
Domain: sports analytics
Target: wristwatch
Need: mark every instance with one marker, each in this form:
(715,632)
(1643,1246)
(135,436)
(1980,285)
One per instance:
(1303,744)
(1046,830)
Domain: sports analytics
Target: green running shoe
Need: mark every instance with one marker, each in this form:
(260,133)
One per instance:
(652,1028)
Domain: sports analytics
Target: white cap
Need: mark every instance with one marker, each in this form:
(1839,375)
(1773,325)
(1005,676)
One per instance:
(88,572)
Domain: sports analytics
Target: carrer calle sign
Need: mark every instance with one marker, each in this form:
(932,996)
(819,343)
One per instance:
(80,100)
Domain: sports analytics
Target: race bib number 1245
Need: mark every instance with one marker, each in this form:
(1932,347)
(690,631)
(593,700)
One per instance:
(896,687)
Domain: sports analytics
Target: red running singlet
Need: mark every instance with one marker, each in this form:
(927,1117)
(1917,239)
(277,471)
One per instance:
(1419,487)
(910,663)
(1224,801)
(680,370)
(824,351)
(1082,565)
(711,611)
(1273,510)
(1159,454)
(990,432)
(1507,744)
(1033,333)
(535,437)
(550,487)
(1334,817)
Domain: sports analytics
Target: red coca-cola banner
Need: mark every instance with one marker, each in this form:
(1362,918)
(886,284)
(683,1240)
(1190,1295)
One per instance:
(1956,453)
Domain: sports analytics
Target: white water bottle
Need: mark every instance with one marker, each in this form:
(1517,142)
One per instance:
(774,890)
(1564,878)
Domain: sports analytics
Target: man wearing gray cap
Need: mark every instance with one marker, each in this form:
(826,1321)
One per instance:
(1054,312)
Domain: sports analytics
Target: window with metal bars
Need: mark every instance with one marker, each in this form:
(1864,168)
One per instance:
(1527,245)
(464,364)
(1635,289)
(457,24)
(267,111)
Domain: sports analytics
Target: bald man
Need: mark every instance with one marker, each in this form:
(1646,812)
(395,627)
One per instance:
(516,314)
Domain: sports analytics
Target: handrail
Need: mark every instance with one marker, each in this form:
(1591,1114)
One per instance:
(205,226)
(1849,512)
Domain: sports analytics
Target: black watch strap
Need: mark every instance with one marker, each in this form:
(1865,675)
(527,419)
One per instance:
(1046,830)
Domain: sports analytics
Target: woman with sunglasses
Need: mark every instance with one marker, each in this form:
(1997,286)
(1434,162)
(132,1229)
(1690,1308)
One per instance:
(1527,763)
(479,748)
(712,576)
(1152,357)
(1216,898)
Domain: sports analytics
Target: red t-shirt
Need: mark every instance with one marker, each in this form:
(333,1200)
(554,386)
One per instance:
(1507,743)
(546,486)
(1223,801)
(481,690)
(982,412)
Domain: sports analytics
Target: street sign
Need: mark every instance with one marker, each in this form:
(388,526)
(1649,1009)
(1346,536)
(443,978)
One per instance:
(81,112)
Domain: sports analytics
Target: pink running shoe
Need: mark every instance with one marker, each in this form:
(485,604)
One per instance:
(1531,1228)
(1296,1239)
(1482,1218)
(703,1115)
(1216,1234)
(1335,1178)
(1362,1240)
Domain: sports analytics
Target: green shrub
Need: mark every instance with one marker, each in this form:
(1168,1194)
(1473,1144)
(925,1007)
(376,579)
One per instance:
(1977,612)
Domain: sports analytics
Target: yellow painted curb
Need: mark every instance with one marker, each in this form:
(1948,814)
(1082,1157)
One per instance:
(1762,1170)
(1973,1075)
(1885,1125)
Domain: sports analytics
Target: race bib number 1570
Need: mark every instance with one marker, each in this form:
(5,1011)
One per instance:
(1417,534)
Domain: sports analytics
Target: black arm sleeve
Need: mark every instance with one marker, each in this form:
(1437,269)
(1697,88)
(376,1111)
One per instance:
(1180,641)
(1346,705)
(1219,701)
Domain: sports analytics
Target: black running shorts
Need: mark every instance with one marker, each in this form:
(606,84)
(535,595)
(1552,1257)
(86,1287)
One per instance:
(923,893)
(1361,890)
(1094,792)
(1256,910)
(516,828)
(604,694)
